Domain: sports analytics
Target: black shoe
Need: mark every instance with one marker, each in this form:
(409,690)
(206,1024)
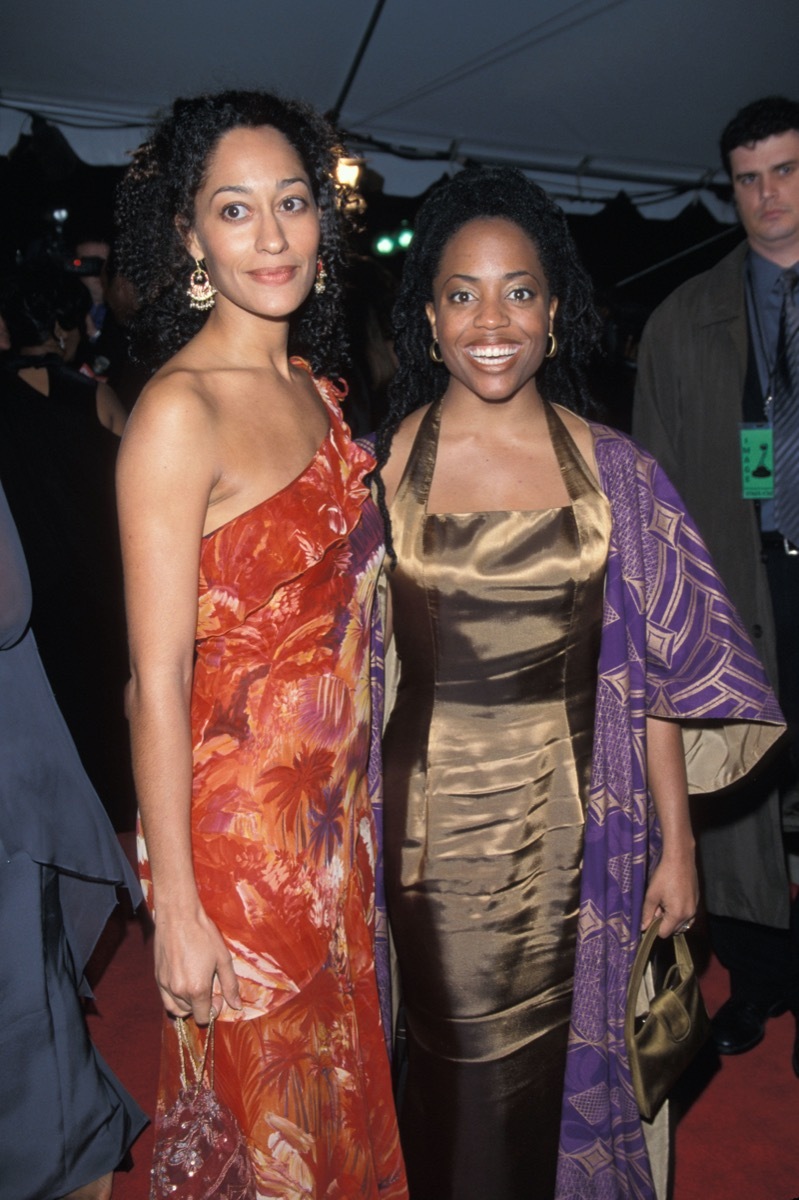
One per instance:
(739,1025)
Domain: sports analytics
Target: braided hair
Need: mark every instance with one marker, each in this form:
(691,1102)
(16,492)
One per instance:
(474,194)
(155,208)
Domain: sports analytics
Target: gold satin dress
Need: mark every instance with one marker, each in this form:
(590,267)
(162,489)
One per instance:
(487,754)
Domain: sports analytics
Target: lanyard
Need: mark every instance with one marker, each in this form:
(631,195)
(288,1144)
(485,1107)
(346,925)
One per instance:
(770,364)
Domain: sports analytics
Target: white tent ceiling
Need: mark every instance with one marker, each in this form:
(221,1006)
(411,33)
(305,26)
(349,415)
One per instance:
(591,95)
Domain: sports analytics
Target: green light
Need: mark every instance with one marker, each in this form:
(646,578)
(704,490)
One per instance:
(385,244)
(404,238)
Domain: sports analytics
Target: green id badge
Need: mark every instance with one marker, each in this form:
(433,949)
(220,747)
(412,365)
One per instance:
(757,462)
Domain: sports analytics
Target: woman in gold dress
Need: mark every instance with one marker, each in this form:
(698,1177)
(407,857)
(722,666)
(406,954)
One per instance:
(499,525)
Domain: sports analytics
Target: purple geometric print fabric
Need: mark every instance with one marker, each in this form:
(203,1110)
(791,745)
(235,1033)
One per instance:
(672,646)
(375,785)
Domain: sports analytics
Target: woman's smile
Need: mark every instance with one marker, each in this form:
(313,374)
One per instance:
(273,276)
(493,355)
(491,310)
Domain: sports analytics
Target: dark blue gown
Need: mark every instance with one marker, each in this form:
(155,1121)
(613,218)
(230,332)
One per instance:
(64,1118)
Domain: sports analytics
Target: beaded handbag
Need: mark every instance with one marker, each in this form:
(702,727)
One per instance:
(201,1152)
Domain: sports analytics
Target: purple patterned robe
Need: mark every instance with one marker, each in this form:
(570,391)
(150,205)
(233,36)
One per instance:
(672,646)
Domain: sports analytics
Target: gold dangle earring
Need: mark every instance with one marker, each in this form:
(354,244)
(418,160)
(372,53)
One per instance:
(321,277)
(552,345)
(435,352)
(201,291)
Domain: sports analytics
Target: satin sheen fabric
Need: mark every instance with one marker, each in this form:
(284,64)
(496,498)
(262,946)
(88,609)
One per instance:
(487,753)
(283,834)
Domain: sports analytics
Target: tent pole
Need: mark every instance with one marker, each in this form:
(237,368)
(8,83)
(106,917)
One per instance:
(335,111)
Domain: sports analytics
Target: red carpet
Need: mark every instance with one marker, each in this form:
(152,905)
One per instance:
(739,1140)
(738,1137)
(126,1029)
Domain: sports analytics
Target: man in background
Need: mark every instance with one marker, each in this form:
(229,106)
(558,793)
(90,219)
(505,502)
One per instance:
(717,402)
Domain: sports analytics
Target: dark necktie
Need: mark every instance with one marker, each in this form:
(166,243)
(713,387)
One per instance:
(786,413)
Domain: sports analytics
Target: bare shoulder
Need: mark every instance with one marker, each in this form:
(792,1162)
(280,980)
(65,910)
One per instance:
(582,434)
(171,431)
(173,404)
(401,446)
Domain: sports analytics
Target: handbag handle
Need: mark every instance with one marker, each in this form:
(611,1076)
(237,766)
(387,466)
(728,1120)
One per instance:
(682,956)
(198,1065)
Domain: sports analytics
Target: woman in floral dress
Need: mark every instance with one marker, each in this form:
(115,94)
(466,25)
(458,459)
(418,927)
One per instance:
(249,705)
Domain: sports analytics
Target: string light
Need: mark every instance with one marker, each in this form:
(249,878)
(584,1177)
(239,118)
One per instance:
(392,243)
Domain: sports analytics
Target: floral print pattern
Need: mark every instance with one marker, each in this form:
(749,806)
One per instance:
(283,833)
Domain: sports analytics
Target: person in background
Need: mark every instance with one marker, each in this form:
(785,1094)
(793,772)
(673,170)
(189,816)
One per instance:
(111,358)
(65,1121)
(94,251)
(549,608)
(59,436)
(249,703)
(716,400)
(45,311)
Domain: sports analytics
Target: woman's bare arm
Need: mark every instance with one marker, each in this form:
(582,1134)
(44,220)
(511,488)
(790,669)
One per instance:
(673,891)
(110,409)
(165,477)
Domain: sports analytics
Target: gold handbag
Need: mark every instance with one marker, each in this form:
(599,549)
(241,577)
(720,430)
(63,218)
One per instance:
(663,1041)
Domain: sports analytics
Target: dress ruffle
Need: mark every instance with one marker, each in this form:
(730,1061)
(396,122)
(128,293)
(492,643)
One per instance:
(330,493)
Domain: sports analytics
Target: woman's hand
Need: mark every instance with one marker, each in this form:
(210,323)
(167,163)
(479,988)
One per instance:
(673,894)
(193,967)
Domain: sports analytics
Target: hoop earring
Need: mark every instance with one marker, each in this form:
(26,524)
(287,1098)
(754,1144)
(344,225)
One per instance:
(552,345)
(321,277)
(201,291)
(435,351)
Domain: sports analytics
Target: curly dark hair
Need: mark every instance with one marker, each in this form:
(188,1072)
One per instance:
(761,119)
(473,194)
(155,204)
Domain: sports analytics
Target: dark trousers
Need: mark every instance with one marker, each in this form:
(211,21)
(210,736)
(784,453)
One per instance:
(763,962)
